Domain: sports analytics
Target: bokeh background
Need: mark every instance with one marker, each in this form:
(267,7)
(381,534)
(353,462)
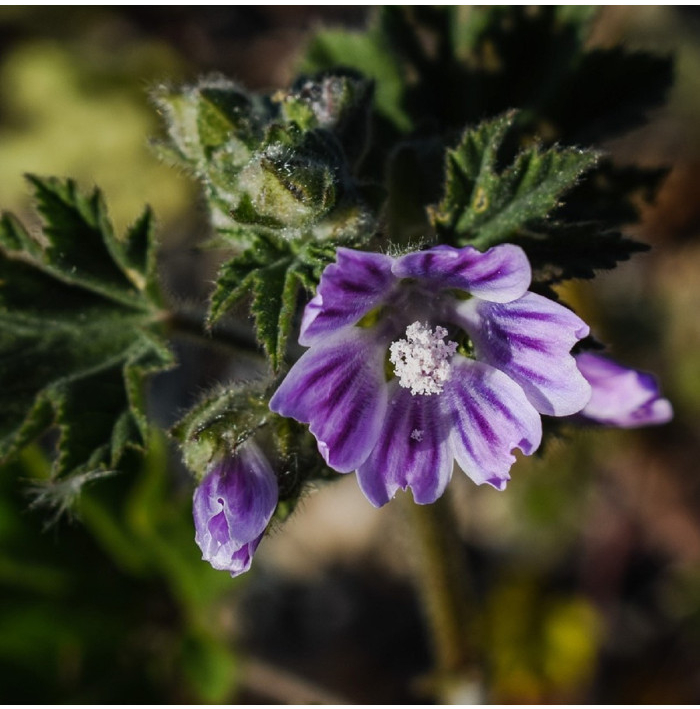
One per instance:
(586,571)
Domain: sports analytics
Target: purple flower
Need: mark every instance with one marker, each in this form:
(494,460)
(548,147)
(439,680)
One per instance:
(621,396)
(433,357)
(232,508)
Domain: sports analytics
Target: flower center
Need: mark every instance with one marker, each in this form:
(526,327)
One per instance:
(422,360)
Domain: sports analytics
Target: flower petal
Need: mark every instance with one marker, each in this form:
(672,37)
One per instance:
(621,396)
(491,417)
(500,274)
(530,340)
(338,387)
(351,287)
(232,506)
(412,450)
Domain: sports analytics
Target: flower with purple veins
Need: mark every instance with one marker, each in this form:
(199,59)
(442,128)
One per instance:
(621,396)
(433,357)
(232,507)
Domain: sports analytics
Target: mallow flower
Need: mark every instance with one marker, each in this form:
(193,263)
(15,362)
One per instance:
(428,358)
(232,507)
(621,396)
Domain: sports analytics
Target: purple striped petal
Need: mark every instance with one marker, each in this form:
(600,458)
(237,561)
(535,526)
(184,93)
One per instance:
(412,450)
(530,340)
(500,274)
(622,397)
(355,284)
(338,387)
(232,506)
(491,417)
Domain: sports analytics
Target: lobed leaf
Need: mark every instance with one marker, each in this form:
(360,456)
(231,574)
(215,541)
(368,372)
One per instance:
(78,329)
(483,205)
(273,271)
(558,251)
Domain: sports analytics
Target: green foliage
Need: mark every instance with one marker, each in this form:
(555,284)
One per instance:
(484,206)
(278,177)
(79,313)
(273,271)
(558,251)
(118,608)
(457,64)
(441,69)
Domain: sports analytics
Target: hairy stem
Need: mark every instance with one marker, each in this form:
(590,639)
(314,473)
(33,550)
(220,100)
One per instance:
(443,585)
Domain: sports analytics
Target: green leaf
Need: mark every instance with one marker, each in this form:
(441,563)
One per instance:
(273,271)
(558,251)
(483,205)
(79,311)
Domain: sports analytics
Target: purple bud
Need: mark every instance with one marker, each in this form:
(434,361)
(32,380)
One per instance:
(620,396)
(232,507)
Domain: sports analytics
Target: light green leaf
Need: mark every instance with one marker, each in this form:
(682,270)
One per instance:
(484,205)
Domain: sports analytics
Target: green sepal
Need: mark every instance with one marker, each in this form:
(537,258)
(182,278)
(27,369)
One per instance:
(79,332)
(482,205)
(339,102)
(294,179)
(227,417)
(219,423)
(369,53)
(280,163)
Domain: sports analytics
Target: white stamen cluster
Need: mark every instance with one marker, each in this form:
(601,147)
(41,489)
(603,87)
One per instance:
(422,360)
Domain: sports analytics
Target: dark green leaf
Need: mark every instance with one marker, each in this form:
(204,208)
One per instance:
(483,205)
(559,251)
(14,237)
(439,69)
(273,270)
(78,322)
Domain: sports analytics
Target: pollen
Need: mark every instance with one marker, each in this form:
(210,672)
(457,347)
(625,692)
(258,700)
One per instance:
(422,360)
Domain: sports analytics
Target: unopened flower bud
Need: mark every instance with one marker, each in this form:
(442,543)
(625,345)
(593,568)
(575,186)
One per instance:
(232,507)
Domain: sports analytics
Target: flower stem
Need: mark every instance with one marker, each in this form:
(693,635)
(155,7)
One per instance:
(443,584)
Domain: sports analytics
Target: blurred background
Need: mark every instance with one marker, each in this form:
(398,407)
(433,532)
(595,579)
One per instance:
(586,571)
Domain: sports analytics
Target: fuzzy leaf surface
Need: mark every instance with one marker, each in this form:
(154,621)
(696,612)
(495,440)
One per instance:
(78,333)
(484,205)
(273,271)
